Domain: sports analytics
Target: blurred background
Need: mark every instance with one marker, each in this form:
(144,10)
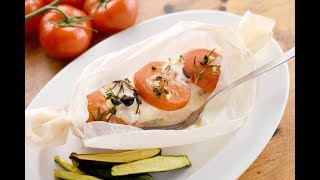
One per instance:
(277,159)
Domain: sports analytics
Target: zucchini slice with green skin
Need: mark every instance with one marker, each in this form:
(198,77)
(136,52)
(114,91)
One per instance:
(122,157)
(94,168)
(100,173)
(84,164)
(106,174)
(135,177)
(154,164)
(72,176)
(75,163)
(67,166)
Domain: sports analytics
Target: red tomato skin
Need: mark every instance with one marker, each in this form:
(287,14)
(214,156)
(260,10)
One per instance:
(31,26)
(209,83)
(146,92)
(95,101)
(114,17)
(64,42)
(75,3)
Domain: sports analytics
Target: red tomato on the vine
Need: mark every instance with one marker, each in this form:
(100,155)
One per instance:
(31,26)
(111,16)
(64,42)
(75,3)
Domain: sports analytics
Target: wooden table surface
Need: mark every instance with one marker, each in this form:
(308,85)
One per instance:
(277,160)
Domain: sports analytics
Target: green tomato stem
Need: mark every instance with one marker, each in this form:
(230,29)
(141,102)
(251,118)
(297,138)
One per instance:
(103,1)
(99,3)
(41,10)
(65,17)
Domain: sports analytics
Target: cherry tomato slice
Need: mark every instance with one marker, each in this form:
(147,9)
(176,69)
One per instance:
(97,105)
(209,82)
(179,92)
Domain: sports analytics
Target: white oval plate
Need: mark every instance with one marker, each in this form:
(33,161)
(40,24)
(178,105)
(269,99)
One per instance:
(226,157)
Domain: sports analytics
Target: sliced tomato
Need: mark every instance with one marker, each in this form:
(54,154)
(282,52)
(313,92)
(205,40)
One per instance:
(179,92)
(116,120)
(96,106)
(207,83)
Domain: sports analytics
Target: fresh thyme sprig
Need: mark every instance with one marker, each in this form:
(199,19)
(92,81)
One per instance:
(159,90)
(99,115)
(138,100)
(165,80)
(116,100)
(126,82)
(168,66)
(112,112)
(135,93)
(211,52)
(206,62)
(181,58)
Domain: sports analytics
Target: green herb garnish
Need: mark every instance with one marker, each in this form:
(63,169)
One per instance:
(206,62)
(115,99)
(165,80)
(159,90)
(112,112)
(99,115)
(181,58)
(138,100)
(110,94)
(168,68)
(169,65)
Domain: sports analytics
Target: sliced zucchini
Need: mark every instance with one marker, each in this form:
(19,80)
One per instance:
(85,164)
(94,168)
(72,176)
(122,157)
(106,174)
(67,166)
(100,173)
(154,164)
(75,163)
(135,177)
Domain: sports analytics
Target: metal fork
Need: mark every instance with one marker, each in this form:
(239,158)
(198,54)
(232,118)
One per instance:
(195,114)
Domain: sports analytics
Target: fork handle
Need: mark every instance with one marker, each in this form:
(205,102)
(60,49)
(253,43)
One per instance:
(267,67)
